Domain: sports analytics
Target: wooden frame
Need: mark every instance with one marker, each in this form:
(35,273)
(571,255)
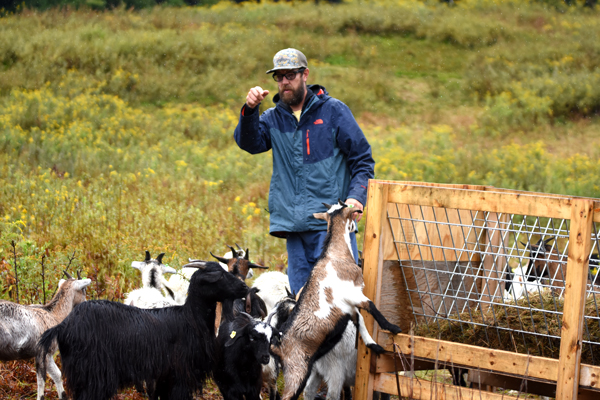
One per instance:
(571,379)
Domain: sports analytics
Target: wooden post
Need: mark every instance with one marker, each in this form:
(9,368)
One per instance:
(567,386)
(373,262)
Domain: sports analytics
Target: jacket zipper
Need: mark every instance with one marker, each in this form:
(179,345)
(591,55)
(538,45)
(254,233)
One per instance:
(307,143)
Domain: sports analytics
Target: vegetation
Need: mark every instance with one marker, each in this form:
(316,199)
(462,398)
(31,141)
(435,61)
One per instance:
(116,126)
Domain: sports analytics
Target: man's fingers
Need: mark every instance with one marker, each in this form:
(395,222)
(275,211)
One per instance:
(255,96)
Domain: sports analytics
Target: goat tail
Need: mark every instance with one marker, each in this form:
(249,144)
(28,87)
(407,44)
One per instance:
(47,343)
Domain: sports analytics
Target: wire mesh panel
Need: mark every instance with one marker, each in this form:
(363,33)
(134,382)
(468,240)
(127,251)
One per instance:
(489,279)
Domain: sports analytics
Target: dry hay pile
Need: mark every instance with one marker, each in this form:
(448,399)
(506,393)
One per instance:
(524,327)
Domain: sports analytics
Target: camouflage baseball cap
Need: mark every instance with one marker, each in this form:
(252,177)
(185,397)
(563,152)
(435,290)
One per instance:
(288,59)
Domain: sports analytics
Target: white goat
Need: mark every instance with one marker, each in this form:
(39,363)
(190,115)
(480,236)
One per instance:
(21,326)
(273,286)
(150,294)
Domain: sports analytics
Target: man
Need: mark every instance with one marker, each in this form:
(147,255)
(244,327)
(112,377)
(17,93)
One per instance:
(320,155)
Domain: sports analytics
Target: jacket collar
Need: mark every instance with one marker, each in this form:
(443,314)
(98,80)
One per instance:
(313,94)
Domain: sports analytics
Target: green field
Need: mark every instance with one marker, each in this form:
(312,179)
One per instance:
(116,127)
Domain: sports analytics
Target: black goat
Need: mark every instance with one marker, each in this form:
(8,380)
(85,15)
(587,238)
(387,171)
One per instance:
(242,346)
(106,346)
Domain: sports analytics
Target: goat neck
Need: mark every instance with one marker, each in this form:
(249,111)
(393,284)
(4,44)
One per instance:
(66,298)
(340,223)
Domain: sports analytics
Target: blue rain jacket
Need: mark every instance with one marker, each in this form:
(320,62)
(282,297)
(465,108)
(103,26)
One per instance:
(320,159)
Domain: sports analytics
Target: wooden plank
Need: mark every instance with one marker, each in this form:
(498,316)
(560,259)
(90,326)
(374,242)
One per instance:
(501,202)
(414,388)
(521,384)
(480,358)
(492,189)
(573,313)
(373,261)
(476,357)
(491,287)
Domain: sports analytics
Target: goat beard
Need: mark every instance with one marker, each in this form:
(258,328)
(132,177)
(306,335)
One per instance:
(295,97)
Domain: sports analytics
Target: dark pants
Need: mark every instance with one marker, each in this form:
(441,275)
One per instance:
(304,248)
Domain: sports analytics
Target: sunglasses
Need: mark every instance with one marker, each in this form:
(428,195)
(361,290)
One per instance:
(290,76)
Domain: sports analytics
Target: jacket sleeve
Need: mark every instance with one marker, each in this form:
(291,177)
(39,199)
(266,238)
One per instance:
(252,133)
(354,145)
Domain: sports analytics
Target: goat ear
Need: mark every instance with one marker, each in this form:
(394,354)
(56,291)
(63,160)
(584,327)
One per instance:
(252,265)
(83,283)
(147,256)
(168,270)
(221,259)
(322,216)
(138,264)
(160,257)
(213,276)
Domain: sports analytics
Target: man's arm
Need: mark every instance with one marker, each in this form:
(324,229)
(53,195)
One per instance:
(354,144)
(251,134)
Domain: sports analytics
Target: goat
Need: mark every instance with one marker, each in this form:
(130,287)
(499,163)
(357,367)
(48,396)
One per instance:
(516,284)
(238,264)
(150,295)
(273,286)
(242,346)
(106,346)
(21,326)
(330,298)
(545,262)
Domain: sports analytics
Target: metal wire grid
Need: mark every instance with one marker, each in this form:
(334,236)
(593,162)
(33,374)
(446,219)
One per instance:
(464,282)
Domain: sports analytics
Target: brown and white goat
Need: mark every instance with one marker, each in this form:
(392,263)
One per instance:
(329,300)
(546,262)
(239,263)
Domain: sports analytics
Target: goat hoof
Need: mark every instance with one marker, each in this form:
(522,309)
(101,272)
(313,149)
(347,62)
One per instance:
(395,329)
(377,349)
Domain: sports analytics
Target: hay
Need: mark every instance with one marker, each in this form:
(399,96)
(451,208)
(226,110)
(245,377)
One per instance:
(524,327)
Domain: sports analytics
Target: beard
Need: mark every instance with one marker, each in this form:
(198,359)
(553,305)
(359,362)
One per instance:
(295,97)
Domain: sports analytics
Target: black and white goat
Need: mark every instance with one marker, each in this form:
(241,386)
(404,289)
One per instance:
(330,299)
(242,347)
(21,326)
(150,294)
(106,346)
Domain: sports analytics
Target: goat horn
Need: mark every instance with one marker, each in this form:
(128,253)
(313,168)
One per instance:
(147,256)
(196,264)
(341,203)
(221,259)
(239,247)
(327,205)
(67,274)
(78,274)
(234,252)
(247,257)
(546,241)
(159,258)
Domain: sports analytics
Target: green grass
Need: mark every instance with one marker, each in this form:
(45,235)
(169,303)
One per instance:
(116,126)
